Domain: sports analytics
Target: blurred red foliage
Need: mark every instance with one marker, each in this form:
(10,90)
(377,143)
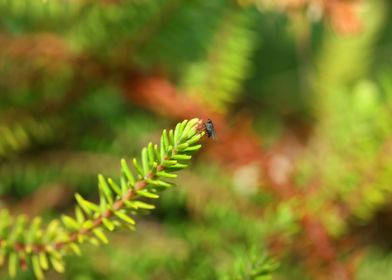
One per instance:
(343,14)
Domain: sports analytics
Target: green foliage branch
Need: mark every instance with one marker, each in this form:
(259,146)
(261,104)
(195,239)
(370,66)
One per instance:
(22,134)
(26,244)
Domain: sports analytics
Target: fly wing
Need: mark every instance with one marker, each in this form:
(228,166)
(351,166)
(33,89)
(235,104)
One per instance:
(213,133)
(212,130)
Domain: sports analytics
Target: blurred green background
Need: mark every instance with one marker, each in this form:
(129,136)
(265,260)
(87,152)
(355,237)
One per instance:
(301,96)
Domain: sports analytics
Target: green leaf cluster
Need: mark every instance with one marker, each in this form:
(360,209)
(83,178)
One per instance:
(20,135)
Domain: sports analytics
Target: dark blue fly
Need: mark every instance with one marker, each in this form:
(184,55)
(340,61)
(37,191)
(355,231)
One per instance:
(209,129)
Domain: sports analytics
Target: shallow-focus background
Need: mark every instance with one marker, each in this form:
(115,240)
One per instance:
(300,92)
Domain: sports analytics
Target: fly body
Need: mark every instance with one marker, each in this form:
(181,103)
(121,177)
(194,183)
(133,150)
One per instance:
(209,129)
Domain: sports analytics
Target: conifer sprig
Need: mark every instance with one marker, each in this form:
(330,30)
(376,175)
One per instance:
(25,245)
